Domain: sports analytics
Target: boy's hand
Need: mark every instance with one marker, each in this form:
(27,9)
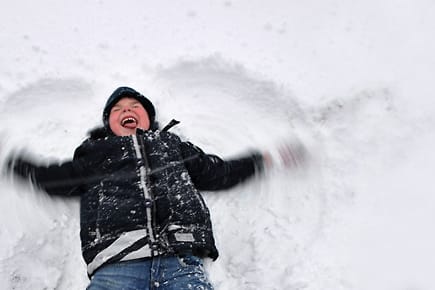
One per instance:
(286,155)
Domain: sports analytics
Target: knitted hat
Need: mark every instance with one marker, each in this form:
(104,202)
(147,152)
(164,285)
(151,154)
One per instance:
(123,92)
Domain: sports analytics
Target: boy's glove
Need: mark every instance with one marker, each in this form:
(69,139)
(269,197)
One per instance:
(13,162)
(4,159)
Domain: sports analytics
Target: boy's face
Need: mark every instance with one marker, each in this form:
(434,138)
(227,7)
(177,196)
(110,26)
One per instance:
(127,115)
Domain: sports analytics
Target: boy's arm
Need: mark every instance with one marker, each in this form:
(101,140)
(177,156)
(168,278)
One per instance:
(56,179)
(209,172)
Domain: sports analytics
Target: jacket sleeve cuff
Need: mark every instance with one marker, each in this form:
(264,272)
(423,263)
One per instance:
(258,160)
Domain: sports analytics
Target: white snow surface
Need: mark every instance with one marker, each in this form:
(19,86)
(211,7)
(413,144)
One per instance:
(351,80)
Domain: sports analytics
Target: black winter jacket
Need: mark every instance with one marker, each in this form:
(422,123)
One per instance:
(139,194)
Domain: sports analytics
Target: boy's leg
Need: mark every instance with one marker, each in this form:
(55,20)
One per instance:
(174,273)
(129,275)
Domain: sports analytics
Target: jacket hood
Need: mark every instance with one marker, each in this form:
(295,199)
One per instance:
(122,92)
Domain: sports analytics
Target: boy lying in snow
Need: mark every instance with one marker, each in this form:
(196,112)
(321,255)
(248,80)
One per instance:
(143,221)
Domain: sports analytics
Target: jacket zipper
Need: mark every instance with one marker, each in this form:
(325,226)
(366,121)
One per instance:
(144,183)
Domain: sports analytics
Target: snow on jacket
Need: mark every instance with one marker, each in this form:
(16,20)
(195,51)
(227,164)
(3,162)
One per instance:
(139,194)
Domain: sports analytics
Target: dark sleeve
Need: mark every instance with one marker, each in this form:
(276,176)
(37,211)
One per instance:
(209,172)
(56,179)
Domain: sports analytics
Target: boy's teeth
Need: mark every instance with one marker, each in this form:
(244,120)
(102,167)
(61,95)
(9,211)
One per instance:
(128,120)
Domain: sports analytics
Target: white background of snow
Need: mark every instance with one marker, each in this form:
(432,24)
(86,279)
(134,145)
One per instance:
(353,80)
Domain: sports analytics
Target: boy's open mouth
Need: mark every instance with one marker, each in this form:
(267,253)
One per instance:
(129,122)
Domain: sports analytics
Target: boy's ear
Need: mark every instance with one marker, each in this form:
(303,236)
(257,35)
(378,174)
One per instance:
(99,133)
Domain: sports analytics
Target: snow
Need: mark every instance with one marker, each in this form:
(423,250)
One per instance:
(351,80)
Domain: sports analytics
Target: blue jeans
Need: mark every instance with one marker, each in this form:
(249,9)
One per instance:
(162,273)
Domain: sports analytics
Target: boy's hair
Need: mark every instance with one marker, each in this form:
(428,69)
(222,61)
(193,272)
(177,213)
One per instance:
(123,92)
